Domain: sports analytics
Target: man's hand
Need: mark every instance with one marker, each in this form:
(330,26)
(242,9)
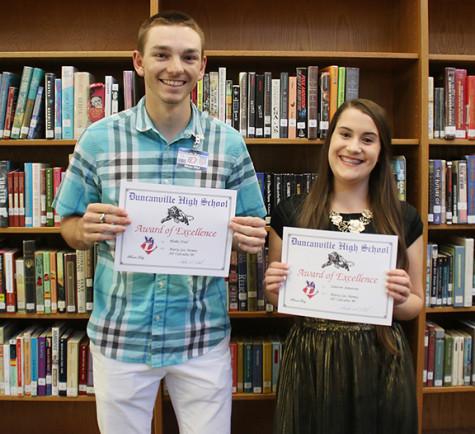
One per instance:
(100,222)
(249,233)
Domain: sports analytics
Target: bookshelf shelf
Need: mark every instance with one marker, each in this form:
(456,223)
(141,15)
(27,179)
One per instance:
(454,227)
(22,230)
(455,58)
(455,389)
(450,143)
(37,142)
(48,398)
(446,309)
(45,316)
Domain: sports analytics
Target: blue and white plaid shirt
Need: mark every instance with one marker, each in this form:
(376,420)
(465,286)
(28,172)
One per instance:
(156,319)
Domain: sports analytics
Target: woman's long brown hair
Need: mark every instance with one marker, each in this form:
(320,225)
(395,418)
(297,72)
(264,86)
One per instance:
(383,197)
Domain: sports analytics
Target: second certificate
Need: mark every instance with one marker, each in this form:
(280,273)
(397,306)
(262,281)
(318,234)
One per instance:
(337,275)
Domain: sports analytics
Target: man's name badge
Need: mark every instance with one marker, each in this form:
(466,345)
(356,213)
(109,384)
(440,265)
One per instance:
(192,159)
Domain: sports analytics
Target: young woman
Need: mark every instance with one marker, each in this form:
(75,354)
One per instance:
(339,377)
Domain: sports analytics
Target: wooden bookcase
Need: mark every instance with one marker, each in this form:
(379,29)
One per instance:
(395,43)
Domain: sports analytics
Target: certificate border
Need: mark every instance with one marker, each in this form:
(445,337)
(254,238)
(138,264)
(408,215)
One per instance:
(223,269)
(284,307)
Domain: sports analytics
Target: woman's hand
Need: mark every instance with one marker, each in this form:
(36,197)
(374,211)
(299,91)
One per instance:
(275,276)
(398,285)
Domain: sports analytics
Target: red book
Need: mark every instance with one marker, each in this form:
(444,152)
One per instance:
(82,368)
(11,209)
(57,172)
(21,199)
(97,95)
(460,80)
(16,201)
(470,96)
(234,358)
(10,111)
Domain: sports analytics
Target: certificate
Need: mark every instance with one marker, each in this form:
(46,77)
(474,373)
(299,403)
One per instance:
(338,275)
(175,229)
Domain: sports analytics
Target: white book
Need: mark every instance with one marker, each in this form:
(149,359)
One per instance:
(115,99)
(82,83)
(243,103)
(56,331)
(81,281)
(468,244)
(222,93)
(214,94)
(430,114)
(108,82)
(72,370)
(9,257)
(275,109)
(36,193)
(6,369)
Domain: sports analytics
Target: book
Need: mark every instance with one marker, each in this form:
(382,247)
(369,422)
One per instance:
(36,82)
(67,102)
(25,81)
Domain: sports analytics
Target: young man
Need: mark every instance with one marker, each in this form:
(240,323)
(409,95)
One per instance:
(145,327)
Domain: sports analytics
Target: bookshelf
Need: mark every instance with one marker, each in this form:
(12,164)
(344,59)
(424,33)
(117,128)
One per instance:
(396,44)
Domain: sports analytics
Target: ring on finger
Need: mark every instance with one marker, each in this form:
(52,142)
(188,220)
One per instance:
(102,218)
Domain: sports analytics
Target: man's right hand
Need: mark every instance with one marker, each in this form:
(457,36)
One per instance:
(100,222)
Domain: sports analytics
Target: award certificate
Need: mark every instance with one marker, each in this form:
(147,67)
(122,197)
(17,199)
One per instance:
(338,275)
(175,229)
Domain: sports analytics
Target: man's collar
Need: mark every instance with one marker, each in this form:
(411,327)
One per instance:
(193,129)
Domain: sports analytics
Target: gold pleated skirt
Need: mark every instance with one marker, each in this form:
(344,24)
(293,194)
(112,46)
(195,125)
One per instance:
(336,378)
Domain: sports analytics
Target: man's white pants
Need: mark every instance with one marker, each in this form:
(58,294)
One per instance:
(200,390)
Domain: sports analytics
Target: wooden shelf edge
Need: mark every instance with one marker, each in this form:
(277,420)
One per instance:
(449,309)
(114,55)
(449,389)
(313,54)
(36,142)
(36,230)
(452,57)
(65,316)
(455,142)
(88,398)
(445,227)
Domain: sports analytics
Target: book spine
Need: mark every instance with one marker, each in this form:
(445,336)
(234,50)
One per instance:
(12,101)
(460,103)
(36,80)
(21,102)
(81,97)
(236,108)
(29,247)
(267,104)
(312,102)
(39,275)
(450,128)
(352,85)
(67,101)
(259,132)
(222,94)
(302,105)
(4,169)
(324,104)
(275,111)
(49,105)
(229,102)
(243,103)
(284,105)
(251,101)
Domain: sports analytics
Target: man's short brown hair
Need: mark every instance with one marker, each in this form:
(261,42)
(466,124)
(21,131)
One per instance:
(168,18)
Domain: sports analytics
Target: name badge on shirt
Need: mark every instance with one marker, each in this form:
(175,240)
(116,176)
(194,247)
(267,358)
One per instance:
(192,159)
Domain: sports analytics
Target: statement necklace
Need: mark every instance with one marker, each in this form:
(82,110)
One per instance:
(354,225)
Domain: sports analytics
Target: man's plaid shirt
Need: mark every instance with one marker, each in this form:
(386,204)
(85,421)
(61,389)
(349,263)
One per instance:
(156,319)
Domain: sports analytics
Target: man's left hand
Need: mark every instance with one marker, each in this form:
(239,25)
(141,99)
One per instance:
(249,233)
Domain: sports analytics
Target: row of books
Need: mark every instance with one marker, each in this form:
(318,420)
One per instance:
(452,191)
(46,281)
(255,364)
(43,360)
(450,279)
(452,105)
(27,198)
(42,105)
(290,106)
(449,354)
